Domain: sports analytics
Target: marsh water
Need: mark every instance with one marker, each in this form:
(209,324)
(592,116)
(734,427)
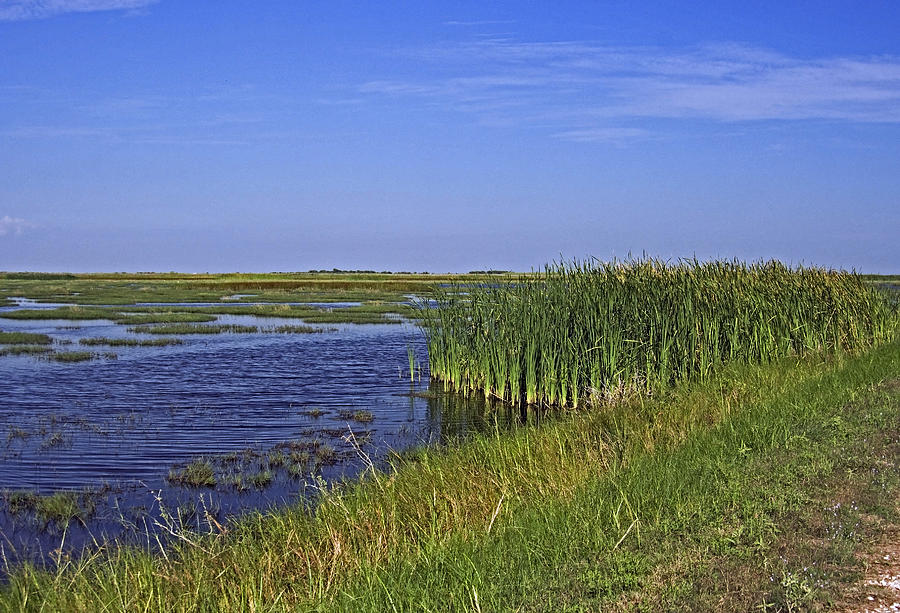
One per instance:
(274,415)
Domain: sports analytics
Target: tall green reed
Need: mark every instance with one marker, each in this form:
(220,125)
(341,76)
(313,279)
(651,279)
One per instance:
(584,331)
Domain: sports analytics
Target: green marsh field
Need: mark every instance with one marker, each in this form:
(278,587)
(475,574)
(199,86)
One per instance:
(724,436)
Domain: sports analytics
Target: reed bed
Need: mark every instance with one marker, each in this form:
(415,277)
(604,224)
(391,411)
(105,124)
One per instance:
(584,332)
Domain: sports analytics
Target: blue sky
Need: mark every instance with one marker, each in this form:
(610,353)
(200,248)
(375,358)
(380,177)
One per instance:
(285,135)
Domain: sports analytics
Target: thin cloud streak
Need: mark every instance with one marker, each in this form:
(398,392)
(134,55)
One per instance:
(619,136)
(485,22)
(13,225)
(24,10)
(594,86)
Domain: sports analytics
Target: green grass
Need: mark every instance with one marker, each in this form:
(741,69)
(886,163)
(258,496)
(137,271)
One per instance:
(73,356)
(130,342)
(190,329)
(60,507)
(361,416)
(26,350)
(24,338)
(297,330)
(591,332)
(132,319)
(634,507)
(261,480)
(122,288)
(71,313)
(199,473)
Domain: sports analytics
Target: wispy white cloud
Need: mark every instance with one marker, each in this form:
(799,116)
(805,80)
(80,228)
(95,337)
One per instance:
(484,22)
(52,132)
(586,91)
(13,225)
(214,118)
(21,10)
(604,135)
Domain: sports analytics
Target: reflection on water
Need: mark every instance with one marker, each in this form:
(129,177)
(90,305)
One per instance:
(270,414)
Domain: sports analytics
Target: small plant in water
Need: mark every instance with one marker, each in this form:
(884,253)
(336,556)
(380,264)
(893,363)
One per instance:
(276,458)
(261,479)
(16,432)
(199,473)
(361,416)
(25,350)
(59,507)
(325,454)
(54,440)
(71,356)
(24,338)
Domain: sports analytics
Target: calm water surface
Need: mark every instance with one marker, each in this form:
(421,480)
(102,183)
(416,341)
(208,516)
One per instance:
(111,430)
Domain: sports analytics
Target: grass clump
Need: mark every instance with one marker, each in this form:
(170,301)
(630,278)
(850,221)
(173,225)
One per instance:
(261,479)
(15,432)
(133,319)
(598,331)
(24,338)
(130,342)
(190,329)
(299,330)
(199,473)
(361,415)
(72,313)
(25,350)
(59,507)
(69,357)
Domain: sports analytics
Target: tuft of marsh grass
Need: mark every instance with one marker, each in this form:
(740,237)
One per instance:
(361,415)
(198,473)
(24,338)
(59,507)
(261,479)
(71,356)
(73,313)
(598,331)
(132,319)
(54,439)
(15,432)
(26,350)
(298,330)
(190,329)
(130,342)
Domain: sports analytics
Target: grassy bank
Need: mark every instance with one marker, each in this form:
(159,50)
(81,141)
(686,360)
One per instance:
(637,504)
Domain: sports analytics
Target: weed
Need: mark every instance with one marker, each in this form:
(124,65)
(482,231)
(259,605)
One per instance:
(261,479)
(361,416)
(198,473)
